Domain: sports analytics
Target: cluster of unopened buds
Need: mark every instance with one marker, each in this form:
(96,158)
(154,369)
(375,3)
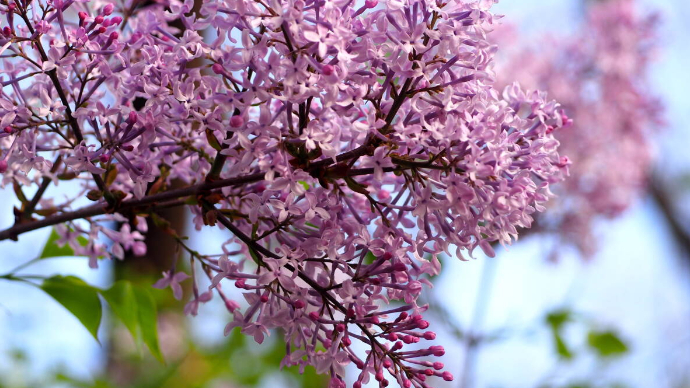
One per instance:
(343,145)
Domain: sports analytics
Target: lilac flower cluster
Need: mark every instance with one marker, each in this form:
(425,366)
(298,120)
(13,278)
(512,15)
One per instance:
(343,144)
(600,75)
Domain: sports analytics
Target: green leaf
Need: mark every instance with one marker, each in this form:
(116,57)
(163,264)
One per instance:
(561,347)
(147,317)
(369,258)
(213,140)
(123,302)
(78,298)
(305,185)
(556,319)
(606,343)
(51,249)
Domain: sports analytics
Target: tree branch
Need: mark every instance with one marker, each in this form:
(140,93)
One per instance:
(102,208)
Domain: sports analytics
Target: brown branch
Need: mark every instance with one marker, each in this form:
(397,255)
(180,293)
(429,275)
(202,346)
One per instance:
(102,208)
(668,211)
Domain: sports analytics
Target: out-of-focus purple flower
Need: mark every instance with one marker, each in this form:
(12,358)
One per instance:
(172,280)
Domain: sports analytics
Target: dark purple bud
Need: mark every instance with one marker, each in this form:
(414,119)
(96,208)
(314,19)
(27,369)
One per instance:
(132,118)
(217,68)
(236,121)
(108,9)
(299,304)
(437,350)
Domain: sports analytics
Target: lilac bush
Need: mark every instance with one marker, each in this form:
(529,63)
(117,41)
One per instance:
(600,74)
(344,145)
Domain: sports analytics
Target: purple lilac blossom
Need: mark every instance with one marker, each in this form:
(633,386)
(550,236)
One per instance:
(343,145)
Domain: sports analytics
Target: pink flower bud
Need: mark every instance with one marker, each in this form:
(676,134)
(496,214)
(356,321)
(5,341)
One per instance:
(102,30)
(371,3)
(422,324)
(217,68)
(236,121)
(135,37)
(3,166)
(428,372)
(8,129)
(139,248)
(132,117)
(430,335)
(264,298)
(399,267)
(108,9)
(447,376)
(327,70)
(299,304)
(114,35)
(116,20)
(314,316)
(98,19)
(437,350)
(438,365)
(231,305)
